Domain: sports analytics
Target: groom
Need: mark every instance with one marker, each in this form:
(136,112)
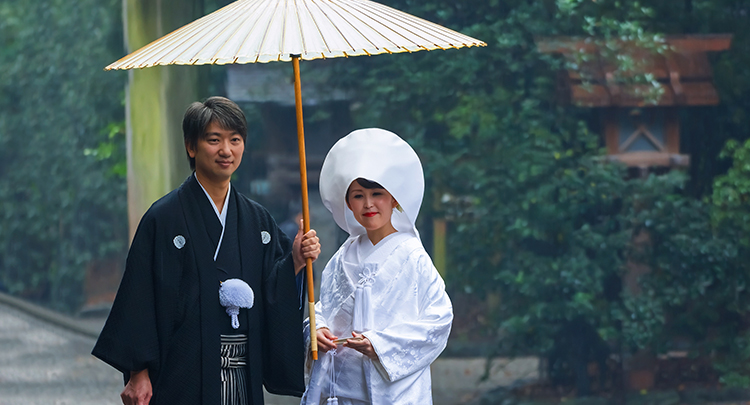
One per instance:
(167,331)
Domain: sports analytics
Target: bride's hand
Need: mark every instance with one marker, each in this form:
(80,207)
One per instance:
(361,344)
(325,340)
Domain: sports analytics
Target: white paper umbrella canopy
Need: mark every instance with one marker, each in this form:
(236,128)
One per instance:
(250,31)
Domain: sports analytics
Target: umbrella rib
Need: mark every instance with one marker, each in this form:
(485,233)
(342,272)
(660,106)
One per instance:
(299,26)
(176,37)
(227,22)
(247,38)
(258,7)
(395,17)
(263,41)
(416,26)
(363,4)
(352,26)
(318,27)
(427,27)
(302,32)
(376,11)
(283,26)
(145,51)
(237,16)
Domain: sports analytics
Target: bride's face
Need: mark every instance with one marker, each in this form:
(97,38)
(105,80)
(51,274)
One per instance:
(372,207)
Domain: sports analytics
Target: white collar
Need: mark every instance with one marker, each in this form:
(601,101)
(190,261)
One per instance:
(222,215)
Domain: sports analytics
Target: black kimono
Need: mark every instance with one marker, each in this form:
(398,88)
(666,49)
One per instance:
(166,316)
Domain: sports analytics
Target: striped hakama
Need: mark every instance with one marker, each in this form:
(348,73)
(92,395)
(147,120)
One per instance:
(233,374)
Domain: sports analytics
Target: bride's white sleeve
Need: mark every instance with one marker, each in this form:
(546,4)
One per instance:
(409,345)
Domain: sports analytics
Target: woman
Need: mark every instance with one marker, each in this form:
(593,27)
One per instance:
(381,297)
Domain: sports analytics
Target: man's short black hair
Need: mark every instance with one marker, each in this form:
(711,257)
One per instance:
(220,110)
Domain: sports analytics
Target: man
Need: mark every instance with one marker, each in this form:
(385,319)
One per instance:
(167,331)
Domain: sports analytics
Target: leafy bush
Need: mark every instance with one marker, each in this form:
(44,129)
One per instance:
(731,216)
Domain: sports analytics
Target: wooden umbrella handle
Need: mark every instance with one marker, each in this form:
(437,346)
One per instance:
(305,205)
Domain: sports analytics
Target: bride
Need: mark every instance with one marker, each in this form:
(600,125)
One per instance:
(383,315)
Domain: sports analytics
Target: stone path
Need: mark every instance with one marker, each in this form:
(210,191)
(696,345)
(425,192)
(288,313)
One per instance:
(42,364)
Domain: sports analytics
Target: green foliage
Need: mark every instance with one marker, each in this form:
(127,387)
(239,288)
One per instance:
(619,30)
(705,131)
(735,365)
(697,277)
(731,215)
(731,195)
(559,241)
(111,149)
(62,191)
(538,217)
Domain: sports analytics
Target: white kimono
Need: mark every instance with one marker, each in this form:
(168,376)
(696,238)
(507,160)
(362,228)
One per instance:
(411,319)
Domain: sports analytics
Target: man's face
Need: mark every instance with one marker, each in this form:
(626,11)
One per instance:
(217,154)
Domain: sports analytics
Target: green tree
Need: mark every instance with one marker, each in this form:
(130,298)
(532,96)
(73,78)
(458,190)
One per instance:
(731,215)
(540,221)
(731,193)
(61,205)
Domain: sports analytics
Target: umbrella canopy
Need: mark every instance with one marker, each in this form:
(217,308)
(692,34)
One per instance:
(250,31)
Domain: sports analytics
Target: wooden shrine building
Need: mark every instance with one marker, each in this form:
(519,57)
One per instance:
(640,129)
(639,122)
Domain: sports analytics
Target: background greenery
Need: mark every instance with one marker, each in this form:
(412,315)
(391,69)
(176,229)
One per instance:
(63,200)
(542,228)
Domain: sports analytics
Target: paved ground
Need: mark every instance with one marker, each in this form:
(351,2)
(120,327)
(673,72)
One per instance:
(45,360)
(43,364)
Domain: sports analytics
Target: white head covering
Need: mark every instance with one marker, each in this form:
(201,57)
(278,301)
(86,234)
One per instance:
(377,155)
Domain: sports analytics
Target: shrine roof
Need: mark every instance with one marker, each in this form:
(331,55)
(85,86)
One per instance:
(683,71)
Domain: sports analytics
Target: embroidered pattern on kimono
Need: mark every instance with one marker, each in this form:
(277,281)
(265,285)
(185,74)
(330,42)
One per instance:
(410,322)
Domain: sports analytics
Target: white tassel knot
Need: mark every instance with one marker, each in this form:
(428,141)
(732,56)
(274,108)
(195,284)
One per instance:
(233,295)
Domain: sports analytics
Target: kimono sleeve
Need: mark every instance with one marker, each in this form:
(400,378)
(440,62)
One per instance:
(283,365)
(128,341)
(410,345)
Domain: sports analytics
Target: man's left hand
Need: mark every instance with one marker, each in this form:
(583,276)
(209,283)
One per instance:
(305,246)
